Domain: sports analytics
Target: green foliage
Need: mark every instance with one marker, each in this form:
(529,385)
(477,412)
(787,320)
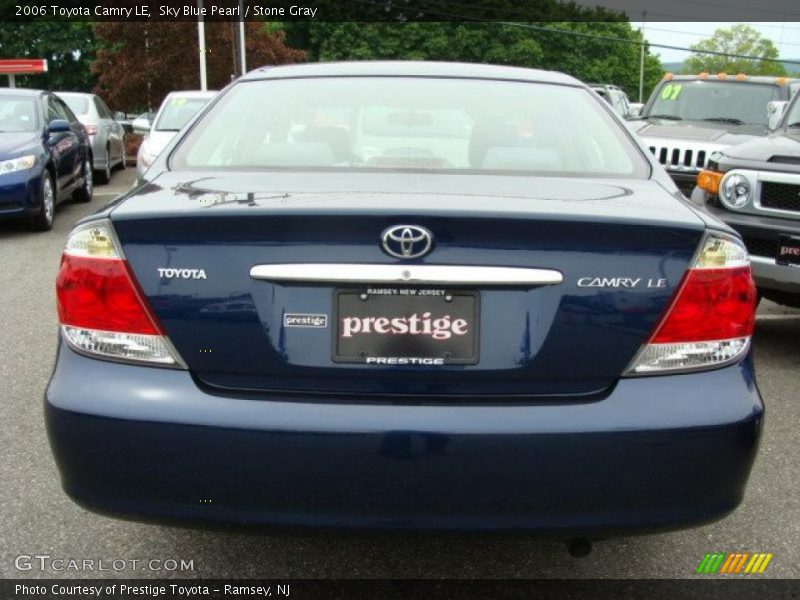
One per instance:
(68,47)
(739,39)
(599,59)
(517,44)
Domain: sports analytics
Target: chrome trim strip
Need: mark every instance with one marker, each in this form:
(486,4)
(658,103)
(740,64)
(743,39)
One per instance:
(416,274)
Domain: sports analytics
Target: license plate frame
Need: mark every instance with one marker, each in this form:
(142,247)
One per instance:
(403,302)
(791,242)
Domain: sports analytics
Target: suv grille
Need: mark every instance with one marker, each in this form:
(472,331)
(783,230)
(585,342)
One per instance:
(690,159)
(783,196)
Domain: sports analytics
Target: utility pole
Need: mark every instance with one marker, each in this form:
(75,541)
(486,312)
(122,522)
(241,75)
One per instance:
(242,50)
(201,42)
(641,59)
(234,51)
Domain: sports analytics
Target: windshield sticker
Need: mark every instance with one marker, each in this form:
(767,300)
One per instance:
(178,101)
(671,91)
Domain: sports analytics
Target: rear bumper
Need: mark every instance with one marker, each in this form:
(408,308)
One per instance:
(656,453)
(100,156)
(769,275)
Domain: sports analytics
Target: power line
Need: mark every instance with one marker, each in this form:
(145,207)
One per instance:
(759,23)
(605,38)
(703,35)
(683,18)
(665,46)
(742,8)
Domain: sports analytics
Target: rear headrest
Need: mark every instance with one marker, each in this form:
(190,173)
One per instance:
(496,135)
(337,139)
(522,159)
(289,154)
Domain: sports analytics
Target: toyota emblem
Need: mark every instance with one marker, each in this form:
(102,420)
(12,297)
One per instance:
(407,241)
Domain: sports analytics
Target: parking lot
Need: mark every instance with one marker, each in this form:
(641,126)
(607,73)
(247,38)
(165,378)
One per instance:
(38,519)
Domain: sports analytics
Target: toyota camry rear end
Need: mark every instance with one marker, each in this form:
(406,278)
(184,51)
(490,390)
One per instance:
(406,296)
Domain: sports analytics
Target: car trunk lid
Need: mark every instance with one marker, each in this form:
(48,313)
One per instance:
(620,247)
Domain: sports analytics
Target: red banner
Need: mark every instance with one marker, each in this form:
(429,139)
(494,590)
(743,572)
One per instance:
(22,66)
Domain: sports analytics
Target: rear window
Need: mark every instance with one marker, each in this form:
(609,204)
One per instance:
(17,114)
(78,104)
(396,123)
(177,111)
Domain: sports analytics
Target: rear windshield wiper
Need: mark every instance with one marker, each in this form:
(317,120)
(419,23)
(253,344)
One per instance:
(670,117)
(726,120)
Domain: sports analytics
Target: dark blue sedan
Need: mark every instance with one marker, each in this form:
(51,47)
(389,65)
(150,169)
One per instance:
(45,156)
(406,296)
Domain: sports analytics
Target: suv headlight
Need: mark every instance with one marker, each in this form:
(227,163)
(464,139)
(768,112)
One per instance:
(735,190)
(17,164)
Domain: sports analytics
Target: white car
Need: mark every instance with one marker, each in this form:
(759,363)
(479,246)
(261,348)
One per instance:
(176,110)
(614,95)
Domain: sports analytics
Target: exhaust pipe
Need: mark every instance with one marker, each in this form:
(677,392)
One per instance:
(579,547)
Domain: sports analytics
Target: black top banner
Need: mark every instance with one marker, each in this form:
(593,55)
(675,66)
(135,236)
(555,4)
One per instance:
(399,10)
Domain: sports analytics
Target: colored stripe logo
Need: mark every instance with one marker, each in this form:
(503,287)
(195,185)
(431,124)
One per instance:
(739,563)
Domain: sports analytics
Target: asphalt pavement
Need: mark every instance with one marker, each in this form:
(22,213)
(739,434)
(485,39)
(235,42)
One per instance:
(39,520)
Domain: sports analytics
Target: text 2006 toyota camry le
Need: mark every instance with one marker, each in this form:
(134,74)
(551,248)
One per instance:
(406,295)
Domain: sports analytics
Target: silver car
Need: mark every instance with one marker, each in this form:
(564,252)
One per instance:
(106,134)
(176,110)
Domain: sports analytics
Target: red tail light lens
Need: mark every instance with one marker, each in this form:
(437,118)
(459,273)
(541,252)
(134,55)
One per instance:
(98,293)
(101,308)
(712,316)
(713,304)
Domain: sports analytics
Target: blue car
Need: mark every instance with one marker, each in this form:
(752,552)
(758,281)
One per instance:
(45,156)
(406,295)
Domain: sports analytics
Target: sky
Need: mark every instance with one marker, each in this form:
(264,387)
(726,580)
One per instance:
(785,35)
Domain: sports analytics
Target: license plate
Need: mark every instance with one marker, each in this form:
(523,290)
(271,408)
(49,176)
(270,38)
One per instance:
(788,252)
(406,326)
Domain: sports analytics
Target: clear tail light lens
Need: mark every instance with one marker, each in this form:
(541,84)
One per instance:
(711,318)
(101,309)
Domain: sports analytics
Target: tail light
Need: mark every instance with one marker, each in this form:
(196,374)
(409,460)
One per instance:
(91,129)
(711,318)
(101,309)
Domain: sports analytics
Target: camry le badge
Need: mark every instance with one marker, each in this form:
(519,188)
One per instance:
(406,241)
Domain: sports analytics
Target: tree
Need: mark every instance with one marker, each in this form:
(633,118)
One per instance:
(67,46)
(546,45)
(139,63)
(740,39)
(588,51)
